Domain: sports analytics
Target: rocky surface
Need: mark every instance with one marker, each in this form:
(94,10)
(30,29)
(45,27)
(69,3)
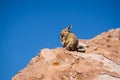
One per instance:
(101,61)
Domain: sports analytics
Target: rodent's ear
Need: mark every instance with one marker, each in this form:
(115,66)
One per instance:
(69,27)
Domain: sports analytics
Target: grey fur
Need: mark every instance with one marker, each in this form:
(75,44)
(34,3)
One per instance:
(69,39)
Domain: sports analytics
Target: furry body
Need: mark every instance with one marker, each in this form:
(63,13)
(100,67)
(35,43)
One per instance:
(69,39)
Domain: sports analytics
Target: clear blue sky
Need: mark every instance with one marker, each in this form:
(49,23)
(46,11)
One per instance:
(27,26)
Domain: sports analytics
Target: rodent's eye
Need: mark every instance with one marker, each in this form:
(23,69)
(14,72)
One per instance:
(64,30)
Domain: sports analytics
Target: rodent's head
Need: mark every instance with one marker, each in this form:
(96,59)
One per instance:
(64,33)
(66,30)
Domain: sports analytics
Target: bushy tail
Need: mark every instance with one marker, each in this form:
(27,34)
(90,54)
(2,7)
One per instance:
(81,49)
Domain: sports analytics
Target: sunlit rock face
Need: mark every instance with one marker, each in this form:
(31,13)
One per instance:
(100,61)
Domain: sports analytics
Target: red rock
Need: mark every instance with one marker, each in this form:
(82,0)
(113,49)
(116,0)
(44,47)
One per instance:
(101,61)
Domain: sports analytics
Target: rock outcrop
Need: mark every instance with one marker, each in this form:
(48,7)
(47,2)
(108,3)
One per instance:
(101,61)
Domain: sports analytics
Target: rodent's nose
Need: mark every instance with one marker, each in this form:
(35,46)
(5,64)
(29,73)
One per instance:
(61,35)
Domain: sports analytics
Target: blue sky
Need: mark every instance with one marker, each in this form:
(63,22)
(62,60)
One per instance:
(27,26)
